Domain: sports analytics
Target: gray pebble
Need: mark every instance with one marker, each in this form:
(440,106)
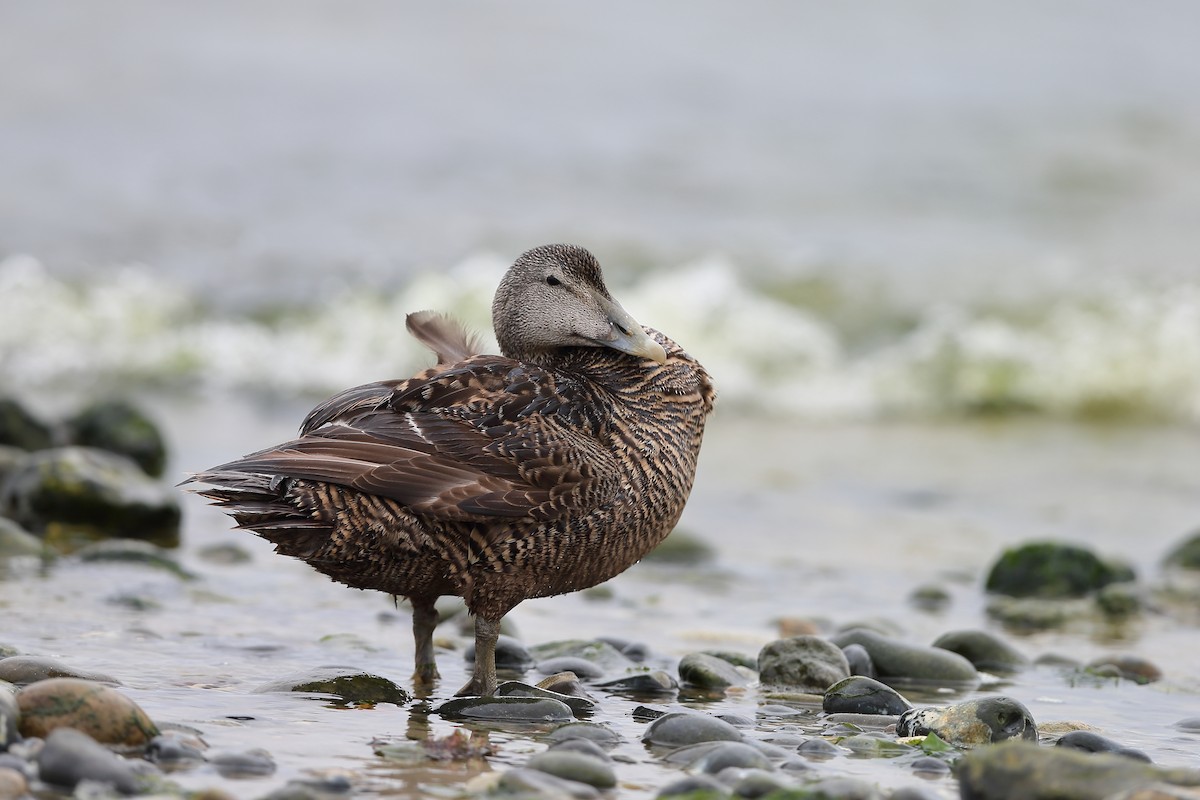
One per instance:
(802,663)
(575,766)
(70,756)
(535,783)
(984,649)
(1095,743)
(23,670)
(928,765)
(10,717)
(248,764)
(752,783)
(634,651)
(861,695)
(506,709)
(510,654)
(915,793)
(600,653)
(173,753)
(579,705)
(1189,724)
(896,661)
(709,672)
(859,660)
(820,749)
(731,754)
(694,785)
(584,669)
(585,746)
(348,683)
(680,728)
(652,682)
(593,732)
(844,789)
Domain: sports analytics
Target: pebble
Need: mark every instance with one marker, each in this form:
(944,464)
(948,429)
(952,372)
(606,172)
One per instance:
(930,765)
(591,731)
(16,542)
(1052,570)
(13,784)
(730,754)
(709,672)
(225,554)
(101,712)
(634,651)
(1090,742)
(860,695)
(866,745)
(802,663)
(120,427)
(575,766)
(735,658)
(72,495)
(859,660)
(584,669)
(974,722)
(681,548)
(917,792)
(843,789)
(349,684)
(535,783)
(71,756)
(751,782)
(680,728)
(1189,724)
(1131,668)
(10,716)
(601,653)
(695,786)
(23,670)
(585,746)
(985,650)
(132,551)
(930,598)
(253,763)
(174,751)
(506,709)
(820,749)
(579,705)
(21,429)
(899,662)
(641,683)
(510,654)
(1186,554)
(564,683)
(1023,769)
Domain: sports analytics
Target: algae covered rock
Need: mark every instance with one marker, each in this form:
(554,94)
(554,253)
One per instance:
(349,684)
(1186,554)
(1052,570)
(120,427)
(101,712)
(72,495)
(19,428)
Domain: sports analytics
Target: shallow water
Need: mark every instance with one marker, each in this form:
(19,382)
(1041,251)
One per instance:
(831,522)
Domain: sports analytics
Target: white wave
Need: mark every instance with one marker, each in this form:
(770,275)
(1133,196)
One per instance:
(1118,350)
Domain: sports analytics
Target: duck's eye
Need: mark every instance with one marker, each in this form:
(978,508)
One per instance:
(552,281)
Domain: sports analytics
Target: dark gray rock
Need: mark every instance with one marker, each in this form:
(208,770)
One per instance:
(575,766)
(641,683)
(802,663)
(1131,668)
(985,650)
(585,746)
(565,683)
(1189,724)
(593,732)
(21,429)
(70,756)
(859,660)
(974,722)
(900,663)
(731,754)
(694,787)
(635,651)
(929,765)
(510,654)
(709,672)
(1052,570)
(820,749)
(325,788)
(72,495)
(1090,742)
(506,709)
(584,669)
(349,684)
(120,427)
(527,783)
(1013,770)
(132,551)
(859,695)
(579,705)
(680,728)
(602,654)
(247,764)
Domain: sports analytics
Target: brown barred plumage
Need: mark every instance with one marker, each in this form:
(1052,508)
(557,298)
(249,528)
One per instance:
(497,478)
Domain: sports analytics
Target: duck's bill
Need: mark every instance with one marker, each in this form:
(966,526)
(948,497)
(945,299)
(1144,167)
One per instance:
(629,337)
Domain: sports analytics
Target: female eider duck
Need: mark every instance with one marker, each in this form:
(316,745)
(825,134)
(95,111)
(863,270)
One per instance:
(545,470)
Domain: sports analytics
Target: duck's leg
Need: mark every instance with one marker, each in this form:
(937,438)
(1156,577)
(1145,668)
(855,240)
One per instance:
(483,679)
(424,620)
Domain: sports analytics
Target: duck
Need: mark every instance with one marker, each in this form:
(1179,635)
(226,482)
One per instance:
(544,470)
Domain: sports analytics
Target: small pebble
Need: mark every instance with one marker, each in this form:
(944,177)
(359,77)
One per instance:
(1131,668)
(697,786)
(22,670)
(564,683)
(731,754)
(704,671)
(753,782)
(593,732)
(349,684)
(861,695)
(820,749)
(896,661)
(506,709)
(584,669)
(600,653)
(249,764)
(13,784)
(70,756)
(642,683)
(859,660)
(680,728)
(510,654)
(575,766)
(984,649)
(928,765)
(1090,742)
(535,783)
(585,746)
(802,663)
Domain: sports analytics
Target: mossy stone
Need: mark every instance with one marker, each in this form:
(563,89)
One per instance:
(100,711)
(1052,570)
(22,429)
(347,683)
(1186,554)
(120,427)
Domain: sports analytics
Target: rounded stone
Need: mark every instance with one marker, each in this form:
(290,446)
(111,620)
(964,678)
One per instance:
(21,429)
(71,756)
(16,542)
(602,654)
(246,764)
(579,705)
(347,683)
(1090,742)
(751,782)
(694,787)
(532,783)
(594,732)
(585,746)
(928,765)
(731,754)
(1131,668)
(859,660)
(584,669)
(171,750)
(1186,554)
(860,695)
(132,551)
(641,683)
(974,722)
(899,662)
(13,784)
(506,709)
(820,749)
(930,597)
(709,672)
(510,654)
(802,663)
(574,766)
(120,427)
(10,716)
(987,651)
(1051,570)
(680,728)
(97,710)
(73,495)
(565,683)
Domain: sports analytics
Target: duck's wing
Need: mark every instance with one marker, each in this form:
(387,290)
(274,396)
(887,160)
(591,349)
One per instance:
(446,337)
(486,439)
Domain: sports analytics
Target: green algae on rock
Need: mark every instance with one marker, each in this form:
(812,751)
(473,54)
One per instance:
(100,711)
(1052,570)
(118,426)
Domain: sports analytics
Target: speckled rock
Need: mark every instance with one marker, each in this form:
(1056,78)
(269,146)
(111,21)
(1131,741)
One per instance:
(802,663)
(703,671)
(900,663)
(680,728)
(349,684)
(575,766)
(71,756)
(860,695)
(602,654)
(1052,570)
(974,722)
(120,427)
(72,495)
(506,709)
(1024,770)
(10,716)
(987,651)
(101,712)
(1131,668)
(1090,742)
(21,429)
(579,705)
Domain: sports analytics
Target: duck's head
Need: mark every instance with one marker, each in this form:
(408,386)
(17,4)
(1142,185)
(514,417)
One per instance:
(554,297)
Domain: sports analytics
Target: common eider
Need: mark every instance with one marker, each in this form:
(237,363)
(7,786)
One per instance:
(541,471)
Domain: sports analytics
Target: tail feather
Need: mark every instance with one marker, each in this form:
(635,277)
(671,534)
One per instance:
(444,336)
(261,504)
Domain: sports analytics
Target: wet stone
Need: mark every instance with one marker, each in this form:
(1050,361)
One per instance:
(73,495)
(860,695)
(593,732)
(585,746)
(709,672)
(506,709)
(346,683)
(917,792)
(510,654)
(752,783)
(865,745)
(19,428)
(1189,724)
(13,784)
(131,551)
(843,789)
(974,722)
(9,716)
(16,542)
(1090,742)
(1186,554)
(737,659)
(526,782)
(641,683)
(682,548)
(120,427)
(1131,668)
(802,663)
(898,662)
(930,765)
(929,598)
(680,728)
(695,787)
(226,554)
(71,756)
(637,652)
(985,650)
(309,789)
(1051,570)
(600,653)
(730,754)
(172,751)
(1023,769)
(101,712)
(584,669)
(248,764)
(859,660)
(565,683)
(1118,601)
(575,766)
(579,705)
